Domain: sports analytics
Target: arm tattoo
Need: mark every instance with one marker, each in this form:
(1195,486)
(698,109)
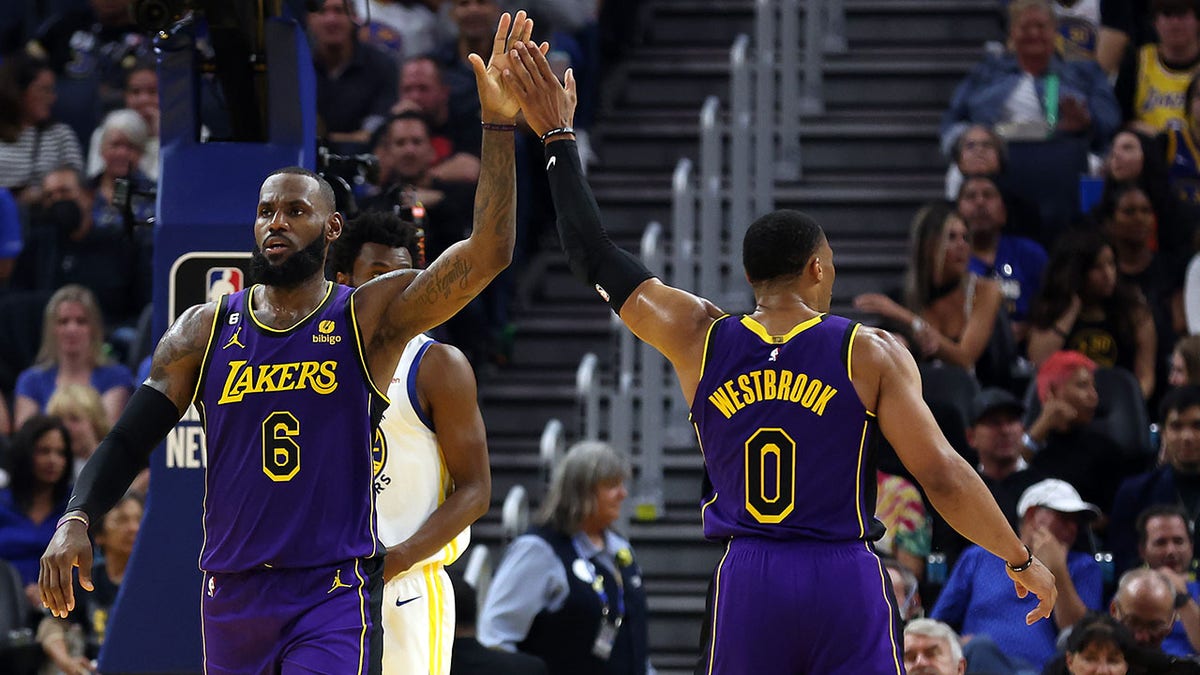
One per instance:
(495,200)
(454,276)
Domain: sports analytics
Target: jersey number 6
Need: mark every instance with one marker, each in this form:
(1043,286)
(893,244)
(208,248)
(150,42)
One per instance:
(770,475)
(281,452)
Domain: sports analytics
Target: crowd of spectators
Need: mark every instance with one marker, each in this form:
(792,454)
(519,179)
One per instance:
(79,128)
(1062,302)
(1063,246)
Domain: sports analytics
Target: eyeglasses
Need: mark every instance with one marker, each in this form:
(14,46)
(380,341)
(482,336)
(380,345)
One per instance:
(1137,624)
(978,145)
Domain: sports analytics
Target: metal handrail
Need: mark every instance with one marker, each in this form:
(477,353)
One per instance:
(587,389)
(683,223)
(711,140)
(813,98)
(551,445)
(514,513)
(741,139)
(764,105)
(835,26)
(788,166)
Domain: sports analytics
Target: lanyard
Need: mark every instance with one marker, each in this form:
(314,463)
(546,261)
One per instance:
(1050,101)
(602,594)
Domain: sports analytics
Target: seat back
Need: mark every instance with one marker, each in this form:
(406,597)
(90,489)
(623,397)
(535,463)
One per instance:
(14,608)
(950,392)
(1121,414)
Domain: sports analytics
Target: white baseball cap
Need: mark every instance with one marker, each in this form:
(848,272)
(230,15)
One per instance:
(1056,494)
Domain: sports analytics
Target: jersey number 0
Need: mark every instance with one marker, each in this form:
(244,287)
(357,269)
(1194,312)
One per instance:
(770,475)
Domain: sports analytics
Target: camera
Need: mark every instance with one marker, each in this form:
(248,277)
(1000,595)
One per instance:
(345,173)
(133,198)
(152,16)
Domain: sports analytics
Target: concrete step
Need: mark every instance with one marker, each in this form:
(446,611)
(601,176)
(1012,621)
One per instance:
(825,145)
(524,408)
(878,211)
(558,343)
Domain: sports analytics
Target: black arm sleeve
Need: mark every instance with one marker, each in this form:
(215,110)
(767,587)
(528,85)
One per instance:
(125,451)
(592,256)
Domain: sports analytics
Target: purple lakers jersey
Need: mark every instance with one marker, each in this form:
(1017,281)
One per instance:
(289,417)
(787,443)
(1183,167)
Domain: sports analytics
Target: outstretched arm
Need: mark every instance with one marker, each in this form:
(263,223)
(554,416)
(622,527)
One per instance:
(391,309)
(151,414)
(673,321)
(887,380)
(446,389)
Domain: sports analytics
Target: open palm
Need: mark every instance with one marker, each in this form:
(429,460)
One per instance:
(495,100)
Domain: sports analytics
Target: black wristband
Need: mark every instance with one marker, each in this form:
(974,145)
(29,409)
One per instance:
(1023,566)
(556,132)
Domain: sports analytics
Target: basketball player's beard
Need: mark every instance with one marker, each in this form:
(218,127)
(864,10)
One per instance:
(295,270)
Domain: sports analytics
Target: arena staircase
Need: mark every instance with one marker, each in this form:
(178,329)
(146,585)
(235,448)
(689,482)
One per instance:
(868,162)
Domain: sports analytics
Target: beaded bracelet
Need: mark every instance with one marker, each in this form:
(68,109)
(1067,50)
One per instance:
(492,126)
(556,132)
(1023,566)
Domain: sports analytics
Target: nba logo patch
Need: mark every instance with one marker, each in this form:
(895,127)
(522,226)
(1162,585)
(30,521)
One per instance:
(222,281)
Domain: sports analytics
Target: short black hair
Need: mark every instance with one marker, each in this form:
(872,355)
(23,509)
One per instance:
(1174,7)
(1177,400)
(372,227)
(381,134)
(322,185)
(1159,511)
(780,244)
(1099,628)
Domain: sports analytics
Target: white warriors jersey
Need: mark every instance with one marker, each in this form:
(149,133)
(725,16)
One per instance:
(411,479)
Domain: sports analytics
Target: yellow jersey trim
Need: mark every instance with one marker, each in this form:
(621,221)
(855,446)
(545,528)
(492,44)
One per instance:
(204,501)
(203,632)
(208,349)
(884,582)
(362,359)
(850,352)
(862,443)
(761,331)
(712,630)
(362,614)
(707,342)
(250,310)
(434,607)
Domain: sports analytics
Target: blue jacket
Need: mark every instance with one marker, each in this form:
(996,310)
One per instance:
(1133,496)
(981,97)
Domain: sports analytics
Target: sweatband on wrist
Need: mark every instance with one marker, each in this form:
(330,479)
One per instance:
(591,255)
(125,451)
(556,132)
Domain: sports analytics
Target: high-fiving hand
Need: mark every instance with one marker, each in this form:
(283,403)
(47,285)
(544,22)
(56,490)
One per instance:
(546,103)
(496,100)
